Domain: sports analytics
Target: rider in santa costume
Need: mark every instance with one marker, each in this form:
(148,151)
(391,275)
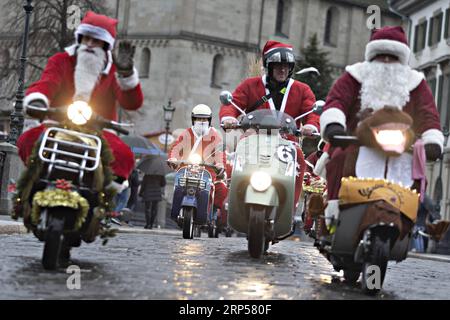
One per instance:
(203,140)
(276,90)
(88,71)
(383,79)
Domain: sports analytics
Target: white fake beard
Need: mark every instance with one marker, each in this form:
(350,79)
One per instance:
(88,69)
(201,128)
(384,84)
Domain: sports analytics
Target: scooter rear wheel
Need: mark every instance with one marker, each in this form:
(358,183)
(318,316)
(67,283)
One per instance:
(379,256)
(256,239)
(53,240)
(188,223)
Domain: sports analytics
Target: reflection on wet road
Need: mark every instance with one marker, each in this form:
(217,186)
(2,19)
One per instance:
(152,266)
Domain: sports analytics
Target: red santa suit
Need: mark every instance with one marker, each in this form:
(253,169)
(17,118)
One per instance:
(406,90)
(56,88)
(209,147)
(297,100)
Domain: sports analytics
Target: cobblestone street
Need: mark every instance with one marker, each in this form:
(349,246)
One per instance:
(151,266)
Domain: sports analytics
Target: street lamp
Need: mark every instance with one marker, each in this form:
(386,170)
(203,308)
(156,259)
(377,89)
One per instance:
(17,114)
(168,115)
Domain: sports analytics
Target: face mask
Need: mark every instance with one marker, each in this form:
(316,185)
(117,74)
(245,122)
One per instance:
(201,128)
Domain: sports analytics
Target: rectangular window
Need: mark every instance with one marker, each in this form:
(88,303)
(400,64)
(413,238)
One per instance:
(434,35)
(416,38)
(440,94)
(420,36)
(445,111)
(447,24)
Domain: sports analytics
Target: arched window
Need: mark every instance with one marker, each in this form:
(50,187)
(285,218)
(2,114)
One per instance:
(283,18)
(217,71)
(144,70)
(332,27)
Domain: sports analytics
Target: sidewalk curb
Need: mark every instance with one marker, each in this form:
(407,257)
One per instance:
(428,257)
(12,229)
(170,232)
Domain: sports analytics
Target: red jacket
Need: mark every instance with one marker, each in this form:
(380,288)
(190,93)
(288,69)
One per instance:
(57,86)
(297,100)
(210,147)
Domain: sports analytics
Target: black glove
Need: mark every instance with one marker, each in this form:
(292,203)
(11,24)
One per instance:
(433,151)
(35,103)
(124,59)
(335,129)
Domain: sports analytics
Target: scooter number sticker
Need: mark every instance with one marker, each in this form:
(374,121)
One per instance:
(285,154)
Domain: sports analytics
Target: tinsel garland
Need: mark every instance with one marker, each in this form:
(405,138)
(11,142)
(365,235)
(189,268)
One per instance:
(33,172)
(59,198)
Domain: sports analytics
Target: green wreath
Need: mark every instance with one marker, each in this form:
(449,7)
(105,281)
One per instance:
(21,200)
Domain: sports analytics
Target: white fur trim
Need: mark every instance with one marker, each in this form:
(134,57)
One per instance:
(415,77)
(71,50)
(119,187)
(396,48)
(228,118)
(433,136)
(331,211)
(332,115)
(35,96)
(95,32)
(314,128)
(109,63)
(320,168)
(130,82)
(278,48)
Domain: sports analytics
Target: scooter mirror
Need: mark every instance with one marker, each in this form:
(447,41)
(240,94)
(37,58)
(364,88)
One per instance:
(318,107)
(308,70)
(226,97)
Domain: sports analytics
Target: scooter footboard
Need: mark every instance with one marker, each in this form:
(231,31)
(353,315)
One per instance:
(347,225)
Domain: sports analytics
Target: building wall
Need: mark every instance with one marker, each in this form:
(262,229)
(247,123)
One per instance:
(434,61)
(184,37)
(429,54)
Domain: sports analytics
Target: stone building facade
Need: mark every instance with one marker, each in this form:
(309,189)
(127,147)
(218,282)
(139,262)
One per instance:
(190,50)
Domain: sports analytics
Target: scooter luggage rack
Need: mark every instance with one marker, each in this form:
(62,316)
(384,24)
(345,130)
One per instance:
(50,151)
(192,182)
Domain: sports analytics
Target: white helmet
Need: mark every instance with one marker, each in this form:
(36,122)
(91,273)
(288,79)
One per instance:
(201,111)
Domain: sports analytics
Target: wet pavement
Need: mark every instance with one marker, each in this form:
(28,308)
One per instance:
(165,266)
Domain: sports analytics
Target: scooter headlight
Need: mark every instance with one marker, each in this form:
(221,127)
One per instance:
(79,112)
(195,159)
(260,181)
(391,140)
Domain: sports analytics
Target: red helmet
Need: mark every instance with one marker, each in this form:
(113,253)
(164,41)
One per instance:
(277,52)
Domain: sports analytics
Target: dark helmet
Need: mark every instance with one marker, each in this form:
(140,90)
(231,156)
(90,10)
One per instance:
(274,52)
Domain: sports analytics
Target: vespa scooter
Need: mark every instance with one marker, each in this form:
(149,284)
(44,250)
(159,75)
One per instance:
(261,196)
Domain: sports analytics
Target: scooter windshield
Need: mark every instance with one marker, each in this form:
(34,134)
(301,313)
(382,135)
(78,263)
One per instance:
(269,120)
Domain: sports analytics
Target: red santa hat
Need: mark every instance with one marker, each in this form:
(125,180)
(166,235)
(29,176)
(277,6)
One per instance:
(388,40)
(275,51)
(99,27)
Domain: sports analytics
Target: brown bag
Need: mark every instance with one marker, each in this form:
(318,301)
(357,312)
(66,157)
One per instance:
(438,229)
(381,211)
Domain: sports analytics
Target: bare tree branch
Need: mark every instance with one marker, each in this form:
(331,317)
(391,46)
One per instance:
(48,34)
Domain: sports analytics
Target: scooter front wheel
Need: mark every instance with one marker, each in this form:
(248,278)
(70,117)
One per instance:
(188,223)
(256,239)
